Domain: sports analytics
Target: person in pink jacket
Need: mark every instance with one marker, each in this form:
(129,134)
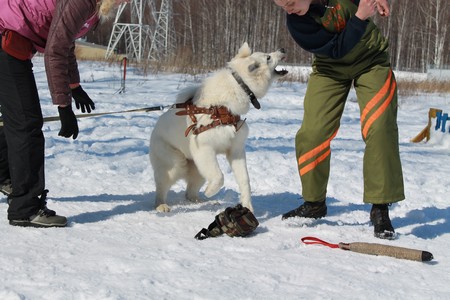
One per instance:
(50,27)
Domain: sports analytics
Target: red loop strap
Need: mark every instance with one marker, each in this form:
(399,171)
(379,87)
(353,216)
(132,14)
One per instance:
(309,240)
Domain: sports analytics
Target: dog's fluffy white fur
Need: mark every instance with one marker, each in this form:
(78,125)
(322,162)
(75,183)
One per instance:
(194,158)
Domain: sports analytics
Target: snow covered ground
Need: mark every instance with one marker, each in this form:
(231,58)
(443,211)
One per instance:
(117,246)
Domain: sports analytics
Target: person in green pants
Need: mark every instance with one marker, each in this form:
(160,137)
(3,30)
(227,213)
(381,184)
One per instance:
(348,50)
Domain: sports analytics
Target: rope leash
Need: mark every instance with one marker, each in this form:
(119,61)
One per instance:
(145,109)
(374,249)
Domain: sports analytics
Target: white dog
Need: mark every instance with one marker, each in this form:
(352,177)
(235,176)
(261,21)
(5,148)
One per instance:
(206,122)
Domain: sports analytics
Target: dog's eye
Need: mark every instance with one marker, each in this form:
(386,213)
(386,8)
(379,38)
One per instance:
(269,57)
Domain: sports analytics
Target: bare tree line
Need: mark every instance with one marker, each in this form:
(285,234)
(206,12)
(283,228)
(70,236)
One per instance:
(208,33)
(418,33)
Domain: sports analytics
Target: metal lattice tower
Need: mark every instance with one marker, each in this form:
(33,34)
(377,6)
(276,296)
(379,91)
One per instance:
(140,39)
(163,37)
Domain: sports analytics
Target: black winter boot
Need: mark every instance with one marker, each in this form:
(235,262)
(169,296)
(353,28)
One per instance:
(6,187)
(314,210)
(44,217)
(379,216)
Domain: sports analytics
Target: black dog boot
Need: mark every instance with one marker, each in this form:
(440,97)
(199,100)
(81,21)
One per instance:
(379,216)
(314,210)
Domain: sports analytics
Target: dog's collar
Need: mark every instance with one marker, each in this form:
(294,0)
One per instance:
(245,87)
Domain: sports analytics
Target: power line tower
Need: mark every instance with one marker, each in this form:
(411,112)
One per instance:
(163,37)
(139,37)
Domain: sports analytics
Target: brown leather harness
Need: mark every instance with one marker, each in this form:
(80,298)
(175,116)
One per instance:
(219,114)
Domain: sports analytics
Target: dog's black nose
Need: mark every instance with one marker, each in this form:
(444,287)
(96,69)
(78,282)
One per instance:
(282,50)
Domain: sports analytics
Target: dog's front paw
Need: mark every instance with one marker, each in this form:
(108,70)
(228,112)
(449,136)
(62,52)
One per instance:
(163,208)
(213,188)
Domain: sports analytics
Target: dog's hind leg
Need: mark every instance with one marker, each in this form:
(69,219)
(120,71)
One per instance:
(163,184)
(169,165)
(194,182)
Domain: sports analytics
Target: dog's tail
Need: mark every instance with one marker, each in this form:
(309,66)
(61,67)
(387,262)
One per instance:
(187,93)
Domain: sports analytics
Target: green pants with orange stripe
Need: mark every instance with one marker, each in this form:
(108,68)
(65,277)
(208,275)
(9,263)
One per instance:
(327,92)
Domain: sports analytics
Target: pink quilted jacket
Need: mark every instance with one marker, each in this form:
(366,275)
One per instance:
(53,26)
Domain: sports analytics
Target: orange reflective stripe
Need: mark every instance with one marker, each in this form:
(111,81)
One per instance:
(313,164)
(381,93)
(310,154)
(380,110)
(315,151)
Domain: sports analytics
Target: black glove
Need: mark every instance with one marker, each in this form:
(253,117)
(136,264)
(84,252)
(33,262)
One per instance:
(69,124)
(82,100)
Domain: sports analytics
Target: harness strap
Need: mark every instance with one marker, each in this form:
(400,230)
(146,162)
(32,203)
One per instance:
(219,114)
(213,230)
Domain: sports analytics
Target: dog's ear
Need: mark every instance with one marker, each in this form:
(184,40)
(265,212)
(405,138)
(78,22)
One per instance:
(244,51)
(253,66)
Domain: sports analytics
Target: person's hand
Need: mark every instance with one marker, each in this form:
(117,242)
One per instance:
(82,100)
(69,123)
(383,7)
(366,9)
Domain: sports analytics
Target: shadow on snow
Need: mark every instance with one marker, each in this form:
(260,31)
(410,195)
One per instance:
(431,221)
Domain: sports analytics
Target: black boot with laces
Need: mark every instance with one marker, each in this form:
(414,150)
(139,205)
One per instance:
(6,187)
(379,216)
(43,218)
(314,210)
